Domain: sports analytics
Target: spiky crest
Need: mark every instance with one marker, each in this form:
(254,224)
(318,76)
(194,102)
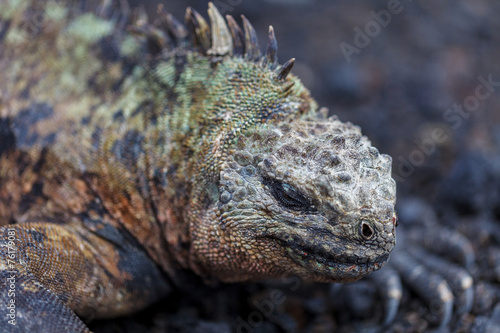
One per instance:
(170,24)
(221,38)
(222,43)
(237,35)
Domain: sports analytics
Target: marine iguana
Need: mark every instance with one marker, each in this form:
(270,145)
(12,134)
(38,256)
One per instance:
(132,150)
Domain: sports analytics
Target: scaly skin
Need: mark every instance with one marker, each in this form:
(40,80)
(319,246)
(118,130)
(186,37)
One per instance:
(125,160)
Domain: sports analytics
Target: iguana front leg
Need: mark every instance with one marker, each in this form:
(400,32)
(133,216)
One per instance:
(50,271)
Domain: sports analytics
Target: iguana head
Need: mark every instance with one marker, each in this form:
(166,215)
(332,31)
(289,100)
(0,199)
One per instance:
(310,198)
(276,189)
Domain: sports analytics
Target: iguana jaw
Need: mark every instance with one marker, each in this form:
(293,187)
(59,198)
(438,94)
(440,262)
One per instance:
(328,253)
(325,266)
(260,249)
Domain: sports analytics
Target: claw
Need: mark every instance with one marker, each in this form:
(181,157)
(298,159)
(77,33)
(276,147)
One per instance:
(429,286)
(449,244)
(389,285)
(459,280)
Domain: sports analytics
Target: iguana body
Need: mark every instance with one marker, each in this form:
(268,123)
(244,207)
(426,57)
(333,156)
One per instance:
(126,159)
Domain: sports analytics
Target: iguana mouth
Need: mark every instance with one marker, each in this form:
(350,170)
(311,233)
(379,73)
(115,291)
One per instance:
(329,263)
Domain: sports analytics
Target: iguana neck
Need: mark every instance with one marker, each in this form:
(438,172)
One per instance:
(208,104)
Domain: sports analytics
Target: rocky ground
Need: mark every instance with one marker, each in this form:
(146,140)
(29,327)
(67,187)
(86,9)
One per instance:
(422,79)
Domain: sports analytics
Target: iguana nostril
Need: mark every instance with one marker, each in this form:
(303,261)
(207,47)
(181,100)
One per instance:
(366,231)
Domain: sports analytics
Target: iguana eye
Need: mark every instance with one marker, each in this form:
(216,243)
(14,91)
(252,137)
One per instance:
(288,196)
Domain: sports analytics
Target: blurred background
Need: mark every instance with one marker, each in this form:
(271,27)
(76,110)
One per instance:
(422,79)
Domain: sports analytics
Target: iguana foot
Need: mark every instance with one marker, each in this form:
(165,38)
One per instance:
(433,262)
